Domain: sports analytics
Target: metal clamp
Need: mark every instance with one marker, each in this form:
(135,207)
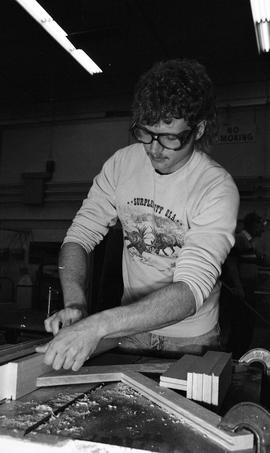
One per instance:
(252,417)
(257,355)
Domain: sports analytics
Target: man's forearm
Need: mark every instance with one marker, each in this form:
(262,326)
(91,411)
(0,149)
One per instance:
(74,344)
(161,308)
(73,275)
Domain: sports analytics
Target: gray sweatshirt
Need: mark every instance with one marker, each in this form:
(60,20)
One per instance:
(176,227)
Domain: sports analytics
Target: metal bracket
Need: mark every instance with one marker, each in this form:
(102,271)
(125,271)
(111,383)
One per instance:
(252,417)
(257,355)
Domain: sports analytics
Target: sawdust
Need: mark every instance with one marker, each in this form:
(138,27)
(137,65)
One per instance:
(117,414)
(19,415)
(114,414)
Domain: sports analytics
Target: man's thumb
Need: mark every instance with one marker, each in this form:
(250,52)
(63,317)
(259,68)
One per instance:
(42,349)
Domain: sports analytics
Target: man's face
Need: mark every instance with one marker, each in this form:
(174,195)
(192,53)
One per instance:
(166,160)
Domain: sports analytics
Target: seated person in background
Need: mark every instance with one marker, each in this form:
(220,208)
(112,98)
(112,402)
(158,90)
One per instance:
(178,209)
(240,277)
(245,240)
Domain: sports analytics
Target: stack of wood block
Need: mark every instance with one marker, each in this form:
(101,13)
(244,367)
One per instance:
(204,379)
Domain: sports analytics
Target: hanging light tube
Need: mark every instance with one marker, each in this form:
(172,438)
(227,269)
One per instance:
(51,26)
(261,18)
(35,10)
(58,34)
(85,61)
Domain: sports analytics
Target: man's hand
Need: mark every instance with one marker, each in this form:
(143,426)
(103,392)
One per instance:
(71,346)
(63,318)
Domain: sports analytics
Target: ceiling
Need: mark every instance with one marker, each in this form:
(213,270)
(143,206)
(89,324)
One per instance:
(124,37)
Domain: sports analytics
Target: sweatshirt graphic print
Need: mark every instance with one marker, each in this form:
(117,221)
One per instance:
(151,235)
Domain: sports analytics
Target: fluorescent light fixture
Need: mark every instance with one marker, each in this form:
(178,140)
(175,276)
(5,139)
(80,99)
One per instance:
(261,17)
(52,27)
(85,61)
(263,32)
(58,34)
(35,10)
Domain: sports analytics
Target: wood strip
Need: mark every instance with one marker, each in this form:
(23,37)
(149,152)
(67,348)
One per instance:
(19,350)
(11,347)
(6,346)
(19,377)
(189,385)
(196,369)
(182,387)
(91,374)
(207,388)
(201,419)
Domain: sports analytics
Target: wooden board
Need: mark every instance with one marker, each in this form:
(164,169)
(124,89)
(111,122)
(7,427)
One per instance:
(92,374)
(15,351)
(18,378)
(201,419)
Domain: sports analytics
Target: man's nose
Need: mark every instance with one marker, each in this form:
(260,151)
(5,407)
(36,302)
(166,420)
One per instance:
(155,147)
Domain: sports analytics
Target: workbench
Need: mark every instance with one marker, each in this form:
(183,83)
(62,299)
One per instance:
(110,417)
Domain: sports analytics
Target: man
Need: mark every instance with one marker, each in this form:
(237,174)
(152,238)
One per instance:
(178,211)
(253,227)
(240,279)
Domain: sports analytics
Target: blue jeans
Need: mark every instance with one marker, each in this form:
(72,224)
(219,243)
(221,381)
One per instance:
(149,343)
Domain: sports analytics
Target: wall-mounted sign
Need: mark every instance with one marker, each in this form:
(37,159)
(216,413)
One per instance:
(237,131)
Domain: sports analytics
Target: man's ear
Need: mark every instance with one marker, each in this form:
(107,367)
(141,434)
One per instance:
(200,129)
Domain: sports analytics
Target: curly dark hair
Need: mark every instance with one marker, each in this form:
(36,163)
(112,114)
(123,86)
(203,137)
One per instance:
(177,88)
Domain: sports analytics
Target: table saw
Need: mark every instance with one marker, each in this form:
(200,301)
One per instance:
(129,412)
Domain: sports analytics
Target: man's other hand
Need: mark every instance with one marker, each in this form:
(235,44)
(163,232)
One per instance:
(63,318)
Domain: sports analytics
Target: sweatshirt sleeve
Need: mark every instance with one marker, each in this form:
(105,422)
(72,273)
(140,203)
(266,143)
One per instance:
(212,222)
(98,210)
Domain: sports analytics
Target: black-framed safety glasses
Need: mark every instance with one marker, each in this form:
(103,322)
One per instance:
(174,142)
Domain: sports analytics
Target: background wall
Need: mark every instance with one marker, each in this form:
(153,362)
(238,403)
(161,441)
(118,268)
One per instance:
(78,147)
(243,149)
